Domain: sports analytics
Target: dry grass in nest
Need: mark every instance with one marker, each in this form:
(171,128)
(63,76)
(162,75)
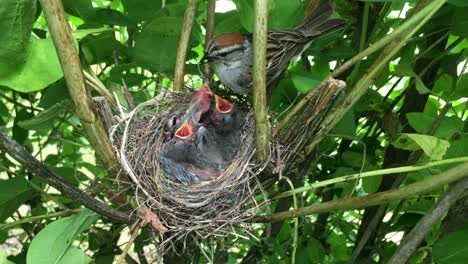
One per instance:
(198,210)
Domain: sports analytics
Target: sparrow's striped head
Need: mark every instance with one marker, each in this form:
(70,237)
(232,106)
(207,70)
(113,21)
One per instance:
(222,45)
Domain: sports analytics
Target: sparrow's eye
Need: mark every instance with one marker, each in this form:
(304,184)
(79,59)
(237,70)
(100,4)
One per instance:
(223,54)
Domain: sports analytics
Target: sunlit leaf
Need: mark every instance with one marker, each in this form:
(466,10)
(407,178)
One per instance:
(16,21)
(422,123)
(41,68)
(433,147)
(44,119)
(54,243)
(156,45)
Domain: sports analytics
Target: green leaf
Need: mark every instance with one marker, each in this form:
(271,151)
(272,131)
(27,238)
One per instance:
(81,33)
(13,193)
(54,243)
(316,251)
(458,2)
(20,134)
(452,248)
(140,10)
(16,21)
(411,1)
(79,8)
(460,22)
(227,22)
(406,222)
(461,89)
(405,69)
(123,71)
(286,14)
(246,13)
(106,16)
(444,87)
(100,48)
(3,258)
(303,82)
(42,68)
(101,16)
(156,45)
(44,119)
(422,122)
(339,250)
(346,126)
(433,147)
(70,174)
(53,94)
(371,184)
(420,86)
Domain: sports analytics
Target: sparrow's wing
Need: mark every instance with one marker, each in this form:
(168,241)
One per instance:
(281,48)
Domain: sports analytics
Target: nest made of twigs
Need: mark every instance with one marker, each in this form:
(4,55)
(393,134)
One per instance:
(197,210)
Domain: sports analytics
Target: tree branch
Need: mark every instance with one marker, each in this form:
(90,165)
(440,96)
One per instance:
(31,219)
(259,79)
(417,188)
(356,176)
(63,41)
(424,226)
(23,157)
(400,33)
(184,41)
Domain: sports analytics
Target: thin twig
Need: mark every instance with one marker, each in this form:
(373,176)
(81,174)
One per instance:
(126,93)
(31,219)
(418,188)
(134,233)
(370,174)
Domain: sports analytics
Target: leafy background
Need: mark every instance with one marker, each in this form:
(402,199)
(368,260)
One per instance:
(388,124)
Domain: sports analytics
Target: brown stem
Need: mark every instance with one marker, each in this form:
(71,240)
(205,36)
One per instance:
(63,41)
(184,42)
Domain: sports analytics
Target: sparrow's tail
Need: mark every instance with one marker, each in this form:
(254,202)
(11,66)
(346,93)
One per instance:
(318,23)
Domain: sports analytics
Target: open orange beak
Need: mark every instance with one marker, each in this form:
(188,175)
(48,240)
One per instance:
(204,88)
(222,105)
(184,132)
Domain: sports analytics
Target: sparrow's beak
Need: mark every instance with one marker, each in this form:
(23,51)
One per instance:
(207,59)
(204,88)
(185,131)
(223,106)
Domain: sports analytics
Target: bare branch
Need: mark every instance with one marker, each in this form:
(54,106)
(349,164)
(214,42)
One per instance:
(424,226)
(21,155)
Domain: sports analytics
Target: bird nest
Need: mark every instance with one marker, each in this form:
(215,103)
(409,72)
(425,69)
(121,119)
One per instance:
(196,210)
